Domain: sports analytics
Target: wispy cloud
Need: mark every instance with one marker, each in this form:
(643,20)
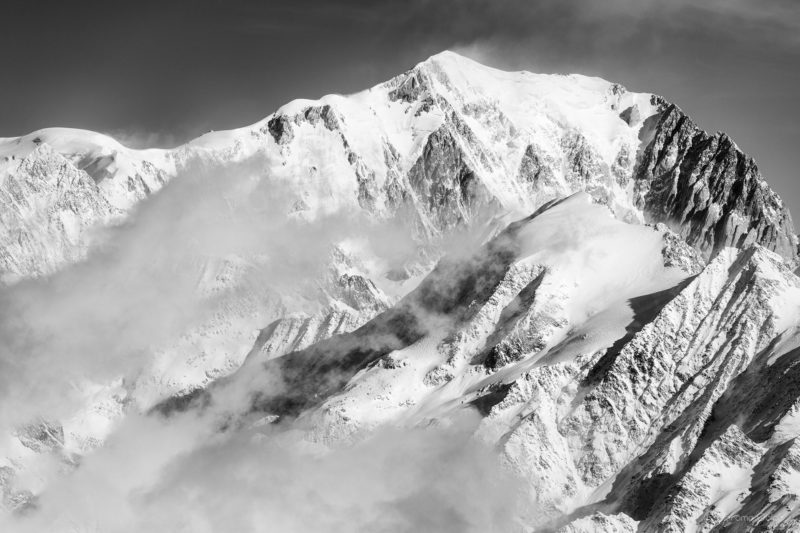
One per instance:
(148,281)
(563,33)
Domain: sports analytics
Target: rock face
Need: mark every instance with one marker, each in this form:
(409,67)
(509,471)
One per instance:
(448,189)
(707,190)
(48,210)
(630,342)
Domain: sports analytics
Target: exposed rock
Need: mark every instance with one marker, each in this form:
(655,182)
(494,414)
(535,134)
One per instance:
(660,427)
(42,437)
(713,487)
(448,189)
(280,129)
(678,253)
(708,191)
(630,115)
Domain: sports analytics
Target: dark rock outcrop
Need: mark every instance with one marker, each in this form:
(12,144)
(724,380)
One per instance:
(707,190)
(448,189)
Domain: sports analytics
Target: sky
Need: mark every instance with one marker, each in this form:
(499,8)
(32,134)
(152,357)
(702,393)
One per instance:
(159,73)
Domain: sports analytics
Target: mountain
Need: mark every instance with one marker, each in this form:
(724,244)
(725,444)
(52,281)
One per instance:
(614,378)
(606,284)
(438,144)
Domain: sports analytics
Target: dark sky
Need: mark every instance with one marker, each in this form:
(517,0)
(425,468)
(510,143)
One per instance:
(158,73)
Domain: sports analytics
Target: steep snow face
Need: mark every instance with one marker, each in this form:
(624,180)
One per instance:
(451,138)
(124,176)
(714,487)
(448,145)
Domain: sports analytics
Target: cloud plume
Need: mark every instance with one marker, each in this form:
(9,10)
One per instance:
(176,476)
(209,239)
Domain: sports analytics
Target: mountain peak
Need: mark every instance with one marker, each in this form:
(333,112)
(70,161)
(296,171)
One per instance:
(451,62)
(450,59)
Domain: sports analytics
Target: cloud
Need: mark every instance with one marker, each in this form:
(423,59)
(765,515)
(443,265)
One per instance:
(573,35)
(172,476)
(435,479)
(209,239)
(144,284)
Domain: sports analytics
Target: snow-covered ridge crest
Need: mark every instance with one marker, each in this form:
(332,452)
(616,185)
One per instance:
(451,141)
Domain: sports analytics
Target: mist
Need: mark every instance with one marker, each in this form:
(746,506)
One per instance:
(174,475)
(207,239)
(210,238)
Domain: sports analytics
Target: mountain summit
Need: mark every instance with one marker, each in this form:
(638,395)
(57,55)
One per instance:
(609,288)
(441,143)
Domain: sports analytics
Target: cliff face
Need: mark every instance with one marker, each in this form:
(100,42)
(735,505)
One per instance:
(707,190)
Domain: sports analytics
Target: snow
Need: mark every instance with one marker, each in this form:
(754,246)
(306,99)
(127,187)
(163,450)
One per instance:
(505,111)
(77,144)
(580,102)
(730,485)
(589,256)
(792,481)
(788,427)
(605,259)
(66,140)
(786,300)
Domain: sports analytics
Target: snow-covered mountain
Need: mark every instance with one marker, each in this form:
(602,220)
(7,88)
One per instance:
(629,384)
(372,260)
(436,145)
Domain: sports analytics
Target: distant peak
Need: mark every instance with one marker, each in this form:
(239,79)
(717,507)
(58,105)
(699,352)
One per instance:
(449,59)
(449,55)
(453,64)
